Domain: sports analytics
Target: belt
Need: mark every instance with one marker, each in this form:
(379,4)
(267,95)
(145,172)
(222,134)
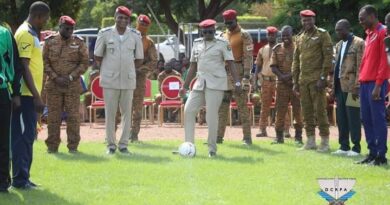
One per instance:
(269,78)
(238,61)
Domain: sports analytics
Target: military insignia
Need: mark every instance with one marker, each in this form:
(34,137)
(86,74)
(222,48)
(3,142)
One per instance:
(314,38)
(249,48)
(74,45)
(229,48)
(336,191)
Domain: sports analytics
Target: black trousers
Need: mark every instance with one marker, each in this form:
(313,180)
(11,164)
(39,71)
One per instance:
(348,123)
(5,120)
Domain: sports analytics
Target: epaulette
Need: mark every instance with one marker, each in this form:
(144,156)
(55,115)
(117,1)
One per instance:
(245,34)
(220,39)
(79,37)
(321,30)
(106,29)
(135,31)
(277,46)
(198,40)
(49,36)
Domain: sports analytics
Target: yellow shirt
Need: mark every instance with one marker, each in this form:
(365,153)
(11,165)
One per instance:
(29,47)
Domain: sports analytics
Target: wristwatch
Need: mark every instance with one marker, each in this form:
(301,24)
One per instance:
(238,84)
(322,78)
(70,77)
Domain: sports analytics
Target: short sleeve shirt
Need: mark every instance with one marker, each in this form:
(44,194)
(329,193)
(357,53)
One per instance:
(29,47)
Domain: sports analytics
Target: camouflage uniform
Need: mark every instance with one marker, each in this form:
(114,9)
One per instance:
(150,61)
(282,58)
(242,48)
(268,84)
(64,58)
(312,62)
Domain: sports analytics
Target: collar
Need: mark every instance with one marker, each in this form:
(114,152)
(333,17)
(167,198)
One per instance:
(33,29)
(311,32)
(377,27)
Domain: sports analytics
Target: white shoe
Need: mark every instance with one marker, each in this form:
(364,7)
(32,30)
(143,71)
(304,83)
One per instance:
(352,153)
(340,152)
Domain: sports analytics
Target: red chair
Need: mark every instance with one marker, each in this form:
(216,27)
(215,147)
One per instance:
(170,87)
(148,101)
(97,100)
(249,104)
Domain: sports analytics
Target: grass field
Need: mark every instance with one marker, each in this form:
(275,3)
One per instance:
(261,174)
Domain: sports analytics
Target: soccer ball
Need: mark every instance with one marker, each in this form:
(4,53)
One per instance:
(187,149)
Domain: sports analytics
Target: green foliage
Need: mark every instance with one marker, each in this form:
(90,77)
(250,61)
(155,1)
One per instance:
(107,21)
(258,174)
(328,12)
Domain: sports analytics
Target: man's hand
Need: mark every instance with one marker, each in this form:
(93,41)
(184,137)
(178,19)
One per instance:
(355,97)
(62,81)
(182,92)
(376,93)
(15,102)
(296,90)
(38,104)
(320,85)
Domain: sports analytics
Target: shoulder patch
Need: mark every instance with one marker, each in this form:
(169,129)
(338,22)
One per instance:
(135,31)
(321,30)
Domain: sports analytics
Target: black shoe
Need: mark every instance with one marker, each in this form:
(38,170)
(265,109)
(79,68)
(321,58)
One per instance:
(219,140)
(247,141)
(27,186)
(212,154)
(34,185)
(367,160)
(124,151)
(52,151)
(73,151)
(110,151)
(379,161)
(298,143)
(277,142)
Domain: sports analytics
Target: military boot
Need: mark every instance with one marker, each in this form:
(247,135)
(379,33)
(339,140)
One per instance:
(324,146)
(247,141)
(279,137)
(286,133)
(263,133)
(219,140)
(298,137)
(310,144)
(134,138)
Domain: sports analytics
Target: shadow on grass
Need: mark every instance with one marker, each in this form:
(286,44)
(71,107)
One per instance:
(148,145)
(136,157)
(80,157)
(33,197)
(256,148)
(237,159)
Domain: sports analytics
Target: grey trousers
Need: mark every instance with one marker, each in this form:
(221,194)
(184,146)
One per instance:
(212,99)
(113,98)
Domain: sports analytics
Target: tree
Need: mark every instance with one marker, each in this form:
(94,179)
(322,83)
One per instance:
(14,12)
(327,12)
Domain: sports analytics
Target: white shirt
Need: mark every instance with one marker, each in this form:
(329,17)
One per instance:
(343,47)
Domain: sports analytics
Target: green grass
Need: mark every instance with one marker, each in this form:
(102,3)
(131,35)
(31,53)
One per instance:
(260,174)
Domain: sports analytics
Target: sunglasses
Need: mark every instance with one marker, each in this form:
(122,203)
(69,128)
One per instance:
(208,31)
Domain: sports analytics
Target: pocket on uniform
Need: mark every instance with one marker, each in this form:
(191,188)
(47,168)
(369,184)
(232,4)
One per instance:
(108,74)
(131,76)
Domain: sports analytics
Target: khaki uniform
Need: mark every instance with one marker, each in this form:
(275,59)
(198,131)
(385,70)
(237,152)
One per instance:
(118,77)
(212,81)
(150,63)
(61,59)
(268,84)
(242,47)
(313,60)
(282,58)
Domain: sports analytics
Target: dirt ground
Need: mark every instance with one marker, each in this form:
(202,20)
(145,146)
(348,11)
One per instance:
(171,131)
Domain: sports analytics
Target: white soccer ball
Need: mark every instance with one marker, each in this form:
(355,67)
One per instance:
(187,149)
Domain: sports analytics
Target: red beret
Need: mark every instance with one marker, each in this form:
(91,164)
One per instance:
(229,14)
(307,13)
(67,20)
(144,19)
(123,10)
(207,23)
(272,29)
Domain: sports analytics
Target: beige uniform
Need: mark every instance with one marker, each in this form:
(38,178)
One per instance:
(209,87)
(118,77)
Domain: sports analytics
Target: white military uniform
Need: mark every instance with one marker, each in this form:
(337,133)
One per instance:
(117,77)
(209,87)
